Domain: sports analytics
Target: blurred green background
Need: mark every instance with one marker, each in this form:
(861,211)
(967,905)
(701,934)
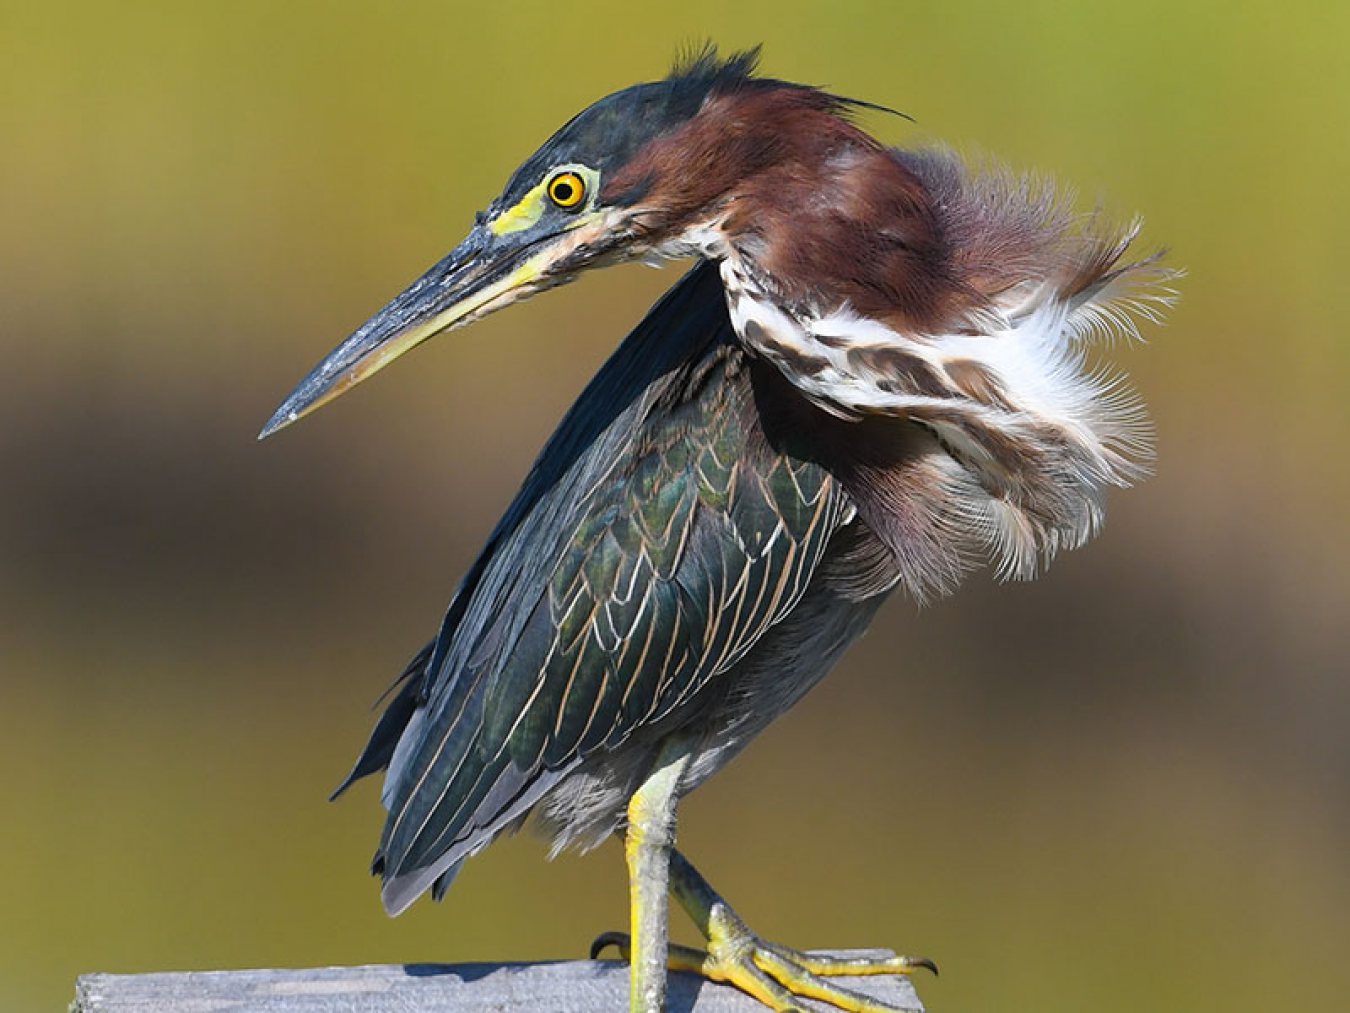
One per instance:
(1125,786)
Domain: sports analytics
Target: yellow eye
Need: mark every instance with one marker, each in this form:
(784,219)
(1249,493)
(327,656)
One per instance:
(567,190)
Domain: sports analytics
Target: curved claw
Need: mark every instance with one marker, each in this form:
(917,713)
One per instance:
(925,963)
(621,941)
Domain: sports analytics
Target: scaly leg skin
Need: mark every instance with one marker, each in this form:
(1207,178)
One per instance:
(775,975)
(647,848)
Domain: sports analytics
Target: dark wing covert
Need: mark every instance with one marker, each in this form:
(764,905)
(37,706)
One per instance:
(655,540)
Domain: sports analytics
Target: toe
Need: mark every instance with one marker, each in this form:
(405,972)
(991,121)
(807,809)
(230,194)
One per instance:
(830,967)
(802,982)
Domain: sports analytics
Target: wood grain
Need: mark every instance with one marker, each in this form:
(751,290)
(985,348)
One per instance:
(580,986)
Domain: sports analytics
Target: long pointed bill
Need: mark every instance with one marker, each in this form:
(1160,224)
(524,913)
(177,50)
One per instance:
(483,274)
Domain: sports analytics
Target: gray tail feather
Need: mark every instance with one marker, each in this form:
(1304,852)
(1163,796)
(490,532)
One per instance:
(380,748)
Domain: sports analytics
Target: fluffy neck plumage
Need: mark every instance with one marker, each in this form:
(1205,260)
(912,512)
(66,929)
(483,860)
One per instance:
(894,285)
(982,347)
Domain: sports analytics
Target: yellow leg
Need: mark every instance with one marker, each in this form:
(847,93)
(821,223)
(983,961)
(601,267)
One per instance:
(647,848)
(775,975)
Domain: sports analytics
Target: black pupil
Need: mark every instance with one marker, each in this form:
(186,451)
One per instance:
(562,191)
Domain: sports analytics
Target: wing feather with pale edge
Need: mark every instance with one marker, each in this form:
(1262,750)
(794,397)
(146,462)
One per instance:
(653,543)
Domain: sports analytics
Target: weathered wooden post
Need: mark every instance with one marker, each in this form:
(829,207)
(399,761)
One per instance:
(578,986)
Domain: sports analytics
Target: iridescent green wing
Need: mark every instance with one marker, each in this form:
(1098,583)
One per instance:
(655,542)
(672,575)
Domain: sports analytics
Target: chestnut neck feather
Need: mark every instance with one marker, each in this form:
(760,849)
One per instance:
(826,214)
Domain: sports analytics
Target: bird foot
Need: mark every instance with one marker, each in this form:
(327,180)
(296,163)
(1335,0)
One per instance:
(778,976)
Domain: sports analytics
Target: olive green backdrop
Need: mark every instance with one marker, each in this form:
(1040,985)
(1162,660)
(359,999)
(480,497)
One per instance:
(1125,786)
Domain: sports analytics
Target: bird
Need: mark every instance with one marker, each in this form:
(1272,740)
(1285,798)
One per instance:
(875,378)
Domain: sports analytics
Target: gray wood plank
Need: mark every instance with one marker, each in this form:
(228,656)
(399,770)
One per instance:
(579,986)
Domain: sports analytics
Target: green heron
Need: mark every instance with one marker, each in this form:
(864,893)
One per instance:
(874,377)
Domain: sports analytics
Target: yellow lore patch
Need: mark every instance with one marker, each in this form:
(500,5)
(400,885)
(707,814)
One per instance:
(523,215)
(570,187)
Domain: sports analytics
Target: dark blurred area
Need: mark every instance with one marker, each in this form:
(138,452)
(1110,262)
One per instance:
(1124,786)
